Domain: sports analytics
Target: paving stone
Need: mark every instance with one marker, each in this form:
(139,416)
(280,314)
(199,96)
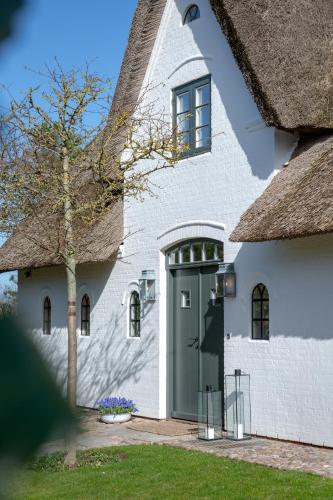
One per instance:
(269,452)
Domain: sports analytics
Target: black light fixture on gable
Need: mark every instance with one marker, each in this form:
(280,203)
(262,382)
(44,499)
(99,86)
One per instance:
(225,281)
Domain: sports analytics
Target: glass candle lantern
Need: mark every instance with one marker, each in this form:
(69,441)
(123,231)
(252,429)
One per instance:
(238,406)
(210,415)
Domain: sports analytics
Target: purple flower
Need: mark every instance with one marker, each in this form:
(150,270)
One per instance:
(116,405)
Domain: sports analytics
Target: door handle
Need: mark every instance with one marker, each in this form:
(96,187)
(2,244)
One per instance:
(195,342)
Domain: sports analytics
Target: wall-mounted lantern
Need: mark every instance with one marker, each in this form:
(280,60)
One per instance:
(225,281)
(147,286)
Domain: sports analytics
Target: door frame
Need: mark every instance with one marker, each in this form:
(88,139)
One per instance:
(170,316)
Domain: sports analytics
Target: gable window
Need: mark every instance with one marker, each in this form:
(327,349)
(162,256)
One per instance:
(85,316)
(47,316)
(192,115)
(192,13)
(134,315)
(260,313)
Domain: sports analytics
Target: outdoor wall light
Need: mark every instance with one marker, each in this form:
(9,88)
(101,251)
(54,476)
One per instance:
(225,281)
(147,286)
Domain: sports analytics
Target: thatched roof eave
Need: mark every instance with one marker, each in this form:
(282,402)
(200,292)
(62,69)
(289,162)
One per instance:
(299,200)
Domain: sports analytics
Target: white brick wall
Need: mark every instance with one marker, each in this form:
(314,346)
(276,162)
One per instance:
(205,196)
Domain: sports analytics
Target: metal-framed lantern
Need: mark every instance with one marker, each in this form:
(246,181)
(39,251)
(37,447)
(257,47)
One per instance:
(225,281)
(238,406)
(147,285)
(209,415)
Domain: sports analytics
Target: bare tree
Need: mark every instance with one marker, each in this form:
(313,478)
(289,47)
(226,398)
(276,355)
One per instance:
(8,297)
(65,161)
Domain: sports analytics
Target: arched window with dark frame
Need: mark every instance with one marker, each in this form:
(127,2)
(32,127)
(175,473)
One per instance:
(260,313)
(47,316)
(191,14)
(134,315)
(85,315)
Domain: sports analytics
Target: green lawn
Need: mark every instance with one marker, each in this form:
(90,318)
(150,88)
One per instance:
(154,471)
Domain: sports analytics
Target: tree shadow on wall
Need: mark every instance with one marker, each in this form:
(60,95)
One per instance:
(108,362)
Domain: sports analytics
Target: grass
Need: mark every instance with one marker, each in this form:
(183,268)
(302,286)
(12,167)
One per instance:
(156,472)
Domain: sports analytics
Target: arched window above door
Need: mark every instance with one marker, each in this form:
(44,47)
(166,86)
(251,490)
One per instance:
(194,252)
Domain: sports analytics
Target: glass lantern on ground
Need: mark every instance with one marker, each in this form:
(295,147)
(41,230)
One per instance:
(209,415)
(238,406)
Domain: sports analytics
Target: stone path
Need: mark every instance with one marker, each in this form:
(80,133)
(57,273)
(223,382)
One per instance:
(272,453)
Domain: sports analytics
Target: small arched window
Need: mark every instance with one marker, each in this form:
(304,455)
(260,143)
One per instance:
(47,316)
(134,315)
(85,315)
(192,13)
(260,313)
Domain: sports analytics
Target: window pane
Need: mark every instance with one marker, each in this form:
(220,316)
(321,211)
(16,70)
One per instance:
(265,292)
(185,299)
(265,330)
(135,329)
(256,310)
(186,253)
(183,102)
(183,122)
(171,258)
(202,95)
(202,116)
(209,251)
(202,137)
(184,139)
(256,330)
(219,252)
(265,309)
(192,13)
(256,293)
(197,252)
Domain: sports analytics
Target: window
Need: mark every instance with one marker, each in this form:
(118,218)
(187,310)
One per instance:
(47,316)
(260,313)
(185,299)
(135,314)
(192,116)
(194,252)
(85,316)
(191,14)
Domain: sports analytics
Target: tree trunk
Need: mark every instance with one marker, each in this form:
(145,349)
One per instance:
(70,260)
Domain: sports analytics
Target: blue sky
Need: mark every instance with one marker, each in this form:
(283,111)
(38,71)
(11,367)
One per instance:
(75,31)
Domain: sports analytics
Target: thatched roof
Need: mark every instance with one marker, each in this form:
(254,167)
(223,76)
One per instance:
(283,48)
(285,51)
(38,244)
(299,200)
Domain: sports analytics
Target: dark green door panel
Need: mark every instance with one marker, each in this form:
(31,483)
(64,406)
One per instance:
(197,337)
(186,339)
(211,333)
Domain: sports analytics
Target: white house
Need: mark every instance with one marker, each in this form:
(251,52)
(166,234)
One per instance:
(254,82)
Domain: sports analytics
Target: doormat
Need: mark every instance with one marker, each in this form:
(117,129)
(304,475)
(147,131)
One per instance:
(163,427)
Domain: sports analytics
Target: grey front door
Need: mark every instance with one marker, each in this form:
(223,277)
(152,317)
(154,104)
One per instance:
(197,337)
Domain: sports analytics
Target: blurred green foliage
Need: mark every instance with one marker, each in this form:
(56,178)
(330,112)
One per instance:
(8,9)
(31,406)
